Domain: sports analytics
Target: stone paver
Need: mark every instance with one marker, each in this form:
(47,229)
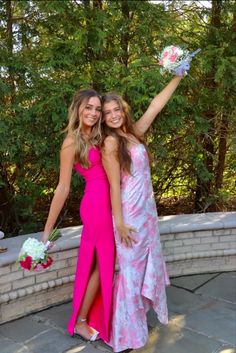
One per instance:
(51,341)
(221,287)
(217,319)
(202,319)
(8,346)
(226,349)
(192,282)
(182,301)
(176,339)
(57,315)
(22,329)
(82,349)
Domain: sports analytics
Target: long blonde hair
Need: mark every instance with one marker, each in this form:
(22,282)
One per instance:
(74,126)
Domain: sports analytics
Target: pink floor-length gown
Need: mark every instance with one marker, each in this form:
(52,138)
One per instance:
(97,237)
(142,277)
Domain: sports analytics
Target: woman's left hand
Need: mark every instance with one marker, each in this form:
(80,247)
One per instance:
(183,68)
(125,232)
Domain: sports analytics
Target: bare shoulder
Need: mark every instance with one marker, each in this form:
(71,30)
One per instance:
(110,144)
(68,146)
(69,140)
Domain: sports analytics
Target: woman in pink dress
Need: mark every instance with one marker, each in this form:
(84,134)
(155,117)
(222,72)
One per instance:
(92,298)
(142,277)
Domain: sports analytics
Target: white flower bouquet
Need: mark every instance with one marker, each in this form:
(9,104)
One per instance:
(34,254)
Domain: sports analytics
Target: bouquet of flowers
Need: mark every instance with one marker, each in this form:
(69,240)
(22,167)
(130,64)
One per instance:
(175,60)
(34,254)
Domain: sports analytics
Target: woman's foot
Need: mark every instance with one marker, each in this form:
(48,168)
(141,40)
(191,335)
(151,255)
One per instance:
(86,332)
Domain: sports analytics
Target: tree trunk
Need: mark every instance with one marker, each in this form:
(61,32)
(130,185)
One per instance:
(8,218)
(92,11)
(222,152)
(125,34)
(224,127)
(9,41)
(204,200)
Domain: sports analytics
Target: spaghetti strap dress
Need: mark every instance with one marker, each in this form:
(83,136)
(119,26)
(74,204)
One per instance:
(142,277)
(97,239)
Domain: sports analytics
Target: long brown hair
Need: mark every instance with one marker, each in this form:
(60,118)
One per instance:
(74,126)
(125,130)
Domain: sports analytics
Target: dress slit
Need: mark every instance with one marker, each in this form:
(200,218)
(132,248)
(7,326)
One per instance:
(81,281)
(100,311)
(97,239)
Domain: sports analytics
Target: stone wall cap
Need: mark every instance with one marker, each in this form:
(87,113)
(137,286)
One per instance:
(197,222)
(70,239)
(167,224)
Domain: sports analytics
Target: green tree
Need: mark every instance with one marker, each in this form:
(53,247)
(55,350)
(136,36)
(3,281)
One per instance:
(49,49)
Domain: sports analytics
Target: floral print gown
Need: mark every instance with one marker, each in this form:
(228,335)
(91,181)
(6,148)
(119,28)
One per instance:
(142,277)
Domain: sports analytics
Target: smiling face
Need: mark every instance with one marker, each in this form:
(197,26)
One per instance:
(90,112)
(113,114)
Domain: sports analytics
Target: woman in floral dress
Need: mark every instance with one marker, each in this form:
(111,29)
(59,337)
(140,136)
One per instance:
(142,277)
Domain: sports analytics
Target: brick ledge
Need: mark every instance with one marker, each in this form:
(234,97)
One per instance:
(22,292)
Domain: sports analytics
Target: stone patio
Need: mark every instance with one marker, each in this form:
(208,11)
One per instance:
(202,319)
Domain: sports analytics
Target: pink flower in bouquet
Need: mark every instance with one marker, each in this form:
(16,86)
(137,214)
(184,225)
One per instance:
(43,266)
(171,57)
(175,60)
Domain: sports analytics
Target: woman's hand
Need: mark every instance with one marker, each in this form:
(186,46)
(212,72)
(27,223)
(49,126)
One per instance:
(182,69)
(44,237)
(125,232)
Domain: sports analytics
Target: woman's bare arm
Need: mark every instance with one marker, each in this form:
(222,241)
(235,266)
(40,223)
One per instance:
(63,188)
(112,167)
(156,105)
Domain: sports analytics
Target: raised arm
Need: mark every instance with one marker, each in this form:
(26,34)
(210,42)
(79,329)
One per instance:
(63,187)
(112,167)
(156,105)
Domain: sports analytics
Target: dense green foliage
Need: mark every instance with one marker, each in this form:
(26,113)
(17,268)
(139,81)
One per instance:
(49,49)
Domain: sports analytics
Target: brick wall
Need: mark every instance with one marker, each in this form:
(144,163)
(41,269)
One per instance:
(23,292)
(200,251)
